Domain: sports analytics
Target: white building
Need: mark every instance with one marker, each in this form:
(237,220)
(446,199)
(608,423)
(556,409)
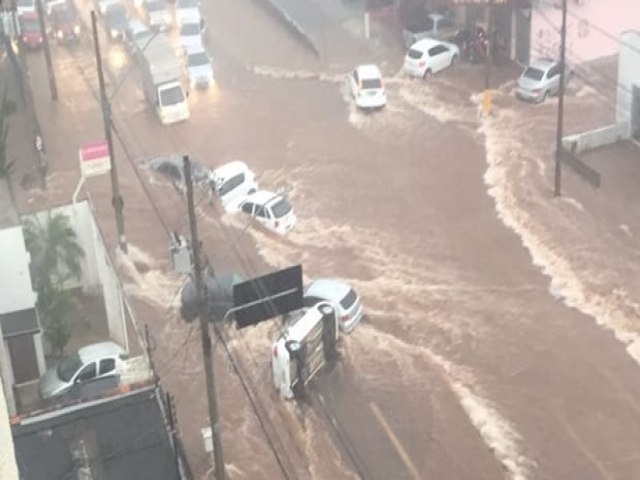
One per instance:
(628,102)
(8,468)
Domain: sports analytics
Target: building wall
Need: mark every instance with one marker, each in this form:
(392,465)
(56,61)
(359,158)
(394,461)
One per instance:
(8,468)
(628,75)
(593,28)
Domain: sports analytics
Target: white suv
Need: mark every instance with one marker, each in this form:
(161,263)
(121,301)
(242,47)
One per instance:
(232,182)
(367,88)
(272,210)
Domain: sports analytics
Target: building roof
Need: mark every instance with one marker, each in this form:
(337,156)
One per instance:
(16,290)
(121,437)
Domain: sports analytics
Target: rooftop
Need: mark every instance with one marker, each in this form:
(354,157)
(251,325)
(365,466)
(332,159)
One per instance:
(16,290)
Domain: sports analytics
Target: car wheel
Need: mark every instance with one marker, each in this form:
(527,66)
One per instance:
(454,59)
(427,73)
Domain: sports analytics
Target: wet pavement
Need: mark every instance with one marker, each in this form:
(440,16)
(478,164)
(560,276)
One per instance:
(500,334)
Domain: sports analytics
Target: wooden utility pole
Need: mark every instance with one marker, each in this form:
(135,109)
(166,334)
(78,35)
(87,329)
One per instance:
(557,190)
(47,52)
(204,327)
(116,198)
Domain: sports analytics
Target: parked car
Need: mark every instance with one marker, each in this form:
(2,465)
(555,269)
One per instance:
(116,21)
(30,34)
(199,69)
(344,299)
(65,23)
(102,5)
(187,11)
(539,80)
(367,88)
(157,15)
(25,6)
(136,33)
(98,360)
(429,56)
(49,4)
(190,34)
(232,182)
(272,210)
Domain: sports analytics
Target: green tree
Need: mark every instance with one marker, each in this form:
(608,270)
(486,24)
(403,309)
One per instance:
(55,259)
(6,108)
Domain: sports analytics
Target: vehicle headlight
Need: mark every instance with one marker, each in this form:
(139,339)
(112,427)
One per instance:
(60,34)
(114,33)
(76,29)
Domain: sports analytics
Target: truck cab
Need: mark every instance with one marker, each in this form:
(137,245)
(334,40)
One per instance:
(306,344)
(30,32)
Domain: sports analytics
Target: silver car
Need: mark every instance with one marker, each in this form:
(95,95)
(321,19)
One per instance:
(89,363)
(539,80)
(343,298)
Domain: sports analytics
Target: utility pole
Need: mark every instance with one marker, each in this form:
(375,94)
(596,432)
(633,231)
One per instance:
(486,103)
(204,328)
(116,198)
(557,191)
(47,52)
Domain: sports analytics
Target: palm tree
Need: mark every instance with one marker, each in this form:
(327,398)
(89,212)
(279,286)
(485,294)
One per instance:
(55,259)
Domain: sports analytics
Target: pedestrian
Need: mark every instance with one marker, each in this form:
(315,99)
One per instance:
(42,159)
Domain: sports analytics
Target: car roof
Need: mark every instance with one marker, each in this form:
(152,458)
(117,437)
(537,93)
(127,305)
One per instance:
(369,71)
(97,351)
(426,44)
(137,26)
(232,168)
(264,197)
(542,63)
(328,288)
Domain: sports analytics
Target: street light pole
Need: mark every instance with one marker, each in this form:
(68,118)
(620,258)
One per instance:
(557,190)
(116,199)
(204,328)
(47,52)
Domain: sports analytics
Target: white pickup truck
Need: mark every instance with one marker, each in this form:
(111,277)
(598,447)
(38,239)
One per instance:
(307,343)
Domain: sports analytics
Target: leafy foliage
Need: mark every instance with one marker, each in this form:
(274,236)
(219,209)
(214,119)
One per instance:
(6,109)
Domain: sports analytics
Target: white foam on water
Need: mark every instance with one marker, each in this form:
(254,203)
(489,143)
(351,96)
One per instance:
(284,74)
(424,100)
(612,311)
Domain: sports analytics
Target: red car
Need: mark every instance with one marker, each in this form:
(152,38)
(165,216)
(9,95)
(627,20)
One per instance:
(30,33)
(65,23)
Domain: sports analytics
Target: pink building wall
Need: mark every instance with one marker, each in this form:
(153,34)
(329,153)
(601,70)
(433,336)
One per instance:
(593,29)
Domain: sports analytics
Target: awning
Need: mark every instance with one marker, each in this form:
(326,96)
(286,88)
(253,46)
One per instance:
(21,322)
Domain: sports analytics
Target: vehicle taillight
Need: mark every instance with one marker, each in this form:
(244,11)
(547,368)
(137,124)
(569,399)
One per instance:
(345,317)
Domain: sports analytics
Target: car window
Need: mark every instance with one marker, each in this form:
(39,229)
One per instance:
(69,366)
(171,96)
(187,3)
(348,301)
(355,76)
(87,373)
(309,301)
(372,83)
(247,207)
(553,71)
(437,50)
(155,5)
(533,73)
(197,60)
(415,54)
(281,208)
(260,211)
(107,365)
(190,29)
(230,184)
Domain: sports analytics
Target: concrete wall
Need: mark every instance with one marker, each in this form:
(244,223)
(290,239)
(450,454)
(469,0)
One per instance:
(593,29)
(6,378)
(628,72)
(596,138)
(8,468)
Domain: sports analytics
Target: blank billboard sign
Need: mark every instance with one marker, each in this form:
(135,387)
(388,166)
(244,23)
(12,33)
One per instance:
(268,296)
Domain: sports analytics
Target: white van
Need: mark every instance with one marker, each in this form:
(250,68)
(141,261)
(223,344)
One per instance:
(307,343)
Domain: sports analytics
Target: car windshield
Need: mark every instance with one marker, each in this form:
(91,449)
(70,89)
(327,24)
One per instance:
(69,366)
(280,208)
(348,301)
(371,83)
(155,6)
(198,59)
(415,54)
(171,96)
(30,26)
(533,73)
(26,3)
(187,3)
(116,16)
(190,29)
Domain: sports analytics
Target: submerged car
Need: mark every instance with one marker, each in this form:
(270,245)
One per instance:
(232,183)
(539,80)
(116,21)
(272,210)
(65,23)
(190,35)
(89,363)
(366,87)
(428,56)
(199,69)
(344,299)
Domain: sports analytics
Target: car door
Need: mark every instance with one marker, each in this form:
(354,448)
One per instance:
(107,367)
(440,57)
(553,79)
(262,215)
(88,373)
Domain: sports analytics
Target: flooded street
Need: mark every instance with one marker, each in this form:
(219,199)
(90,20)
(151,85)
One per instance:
(500,338)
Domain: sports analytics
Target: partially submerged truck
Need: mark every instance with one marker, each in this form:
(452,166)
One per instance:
(304,347)
(161,72)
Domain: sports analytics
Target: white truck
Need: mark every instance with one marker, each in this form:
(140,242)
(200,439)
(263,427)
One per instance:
(305,346)
(162,79)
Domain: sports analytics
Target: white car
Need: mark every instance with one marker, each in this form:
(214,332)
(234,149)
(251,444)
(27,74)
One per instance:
(190,37)
(104,4)
(49,5)
(429,56)
(187,11)
(26,6)
(272,210)
(344,299)
(232,182)
(157,14)
(88,363)
(367,88)
(199,69)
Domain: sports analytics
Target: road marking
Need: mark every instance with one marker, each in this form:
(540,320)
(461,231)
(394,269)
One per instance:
(396,443)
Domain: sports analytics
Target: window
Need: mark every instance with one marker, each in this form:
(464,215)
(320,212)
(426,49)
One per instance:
(533,73)
(437,50)
(348,301)
(553,71)
(230,184)
(414,54)
(371,83)
(87,373)
(107,365)
(260,211)
(69,366)
(247,207)
(281,208)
